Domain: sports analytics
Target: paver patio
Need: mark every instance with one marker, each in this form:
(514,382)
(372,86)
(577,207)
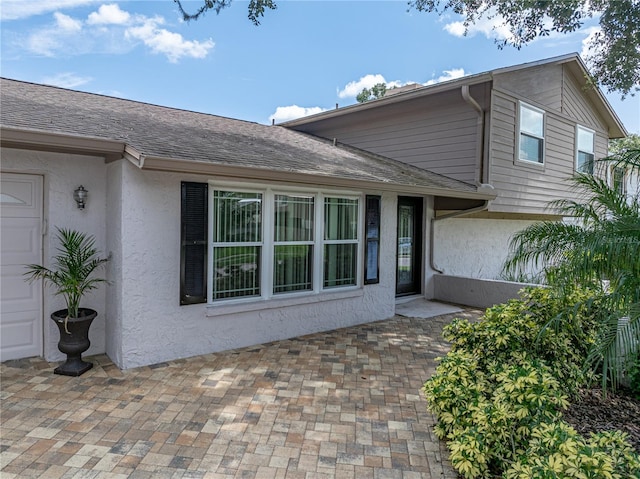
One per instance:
(344,404)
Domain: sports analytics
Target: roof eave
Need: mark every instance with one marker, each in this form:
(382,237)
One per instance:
(33,139)
(390,100)
(280,176)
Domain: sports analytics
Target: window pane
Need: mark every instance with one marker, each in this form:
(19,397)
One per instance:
(293,218)
(618,180)
(531,148)
(531,121)
(236,271)
(340,219)
(237,216)
(292,268)
(585,162)
(340,264)
(585,140)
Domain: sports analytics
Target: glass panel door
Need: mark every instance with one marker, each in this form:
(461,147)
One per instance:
(409,246)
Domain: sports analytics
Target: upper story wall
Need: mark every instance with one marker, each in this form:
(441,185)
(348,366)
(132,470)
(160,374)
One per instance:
(439,132)
(526,187)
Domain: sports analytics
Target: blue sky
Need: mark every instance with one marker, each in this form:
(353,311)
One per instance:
(305,57)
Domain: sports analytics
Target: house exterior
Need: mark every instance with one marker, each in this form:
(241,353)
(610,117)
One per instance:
(524,130)
(221,233)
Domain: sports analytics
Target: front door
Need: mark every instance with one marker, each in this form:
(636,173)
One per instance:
(409,246)
(20,244)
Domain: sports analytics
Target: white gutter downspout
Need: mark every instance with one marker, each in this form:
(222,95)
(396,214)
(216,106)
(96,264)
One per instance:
(483,170)
(133,156)
(483,175)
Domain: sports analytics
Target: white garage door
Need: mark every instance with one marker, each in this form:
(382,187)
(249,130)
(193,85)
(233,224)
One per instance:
(21,243)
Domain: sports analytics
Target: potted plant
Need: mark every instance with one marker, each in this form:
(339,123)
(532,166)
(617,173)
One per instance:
(72,277)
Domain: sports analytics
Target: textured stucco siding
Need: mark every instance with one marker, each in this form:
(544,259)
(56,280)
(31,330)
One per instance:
(474,248)
(62,174)
(152,325)
(114,219)
(474,292)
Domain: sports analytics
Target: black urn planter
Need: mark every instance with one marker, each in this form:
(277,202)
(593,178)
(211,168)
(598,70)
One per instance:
(74,340)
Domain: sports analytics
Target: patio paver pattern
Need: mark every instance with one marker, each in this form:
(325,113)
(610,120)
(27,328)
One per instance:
(343,404)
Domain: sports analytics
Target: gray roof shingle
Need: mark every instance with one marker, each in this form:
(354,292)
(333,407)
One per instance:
(162,132)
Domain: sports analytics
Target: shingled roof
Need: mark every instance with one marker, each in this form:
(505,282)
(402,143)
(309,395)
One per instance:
(200,142)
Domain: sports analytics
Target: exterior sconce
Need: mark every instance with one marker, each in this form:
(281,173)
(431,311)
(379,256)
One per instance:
(80,195)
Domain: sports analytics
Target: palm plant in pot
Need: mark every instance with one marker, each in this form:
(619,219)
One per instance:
(72,277)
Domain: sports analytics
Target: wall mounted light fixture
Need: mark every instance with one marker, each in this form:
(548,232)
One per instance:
(80,195)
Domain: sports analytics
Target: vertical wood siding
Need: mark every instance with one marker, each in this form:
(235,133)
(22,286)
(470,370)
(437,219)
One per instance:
(437,133)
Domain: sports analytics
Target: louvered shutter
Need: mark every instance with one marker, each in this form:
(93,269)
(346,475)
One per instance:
(372,237)
(193,251)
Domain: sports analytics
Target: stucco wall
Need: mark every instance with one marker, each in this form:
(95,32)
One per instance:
(113,327)
(472,247)
(155,328)
(478,293)
(62,175)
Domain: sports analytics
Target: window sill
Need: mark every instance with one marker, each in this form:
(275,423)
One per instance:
(246,306)
(530,164)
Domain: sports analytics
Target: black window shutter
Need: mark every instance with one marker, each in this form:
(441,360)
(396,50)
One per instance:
(372,236)
(193,241)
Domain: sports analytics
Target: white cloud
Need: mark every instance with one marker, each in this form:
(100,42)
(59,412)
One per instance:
(286,113)
(171,44)
(67,24)
(352,88)
(490,24)
(588,47)
(16,9)
(66,80)
(109,15)
(115,31)
(447,75)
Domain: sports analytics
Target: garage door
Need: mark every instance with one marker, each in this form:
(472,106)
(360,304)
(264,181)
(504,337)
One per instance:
(20,244)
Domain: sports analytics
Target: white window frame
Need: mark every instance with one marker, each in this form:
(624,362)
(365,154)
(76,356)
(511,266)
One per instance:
(522,105)
(268,241)
(578,150)
(623,183)
(213,244)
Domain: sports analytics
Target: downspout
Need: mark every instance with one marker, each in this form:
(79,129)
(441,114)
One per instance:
(455,214)
(483,174)
(466,95)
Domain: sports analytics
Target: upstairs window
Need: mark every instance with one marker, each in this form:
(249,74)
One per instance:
(618,180)
(531,140)
(585,156)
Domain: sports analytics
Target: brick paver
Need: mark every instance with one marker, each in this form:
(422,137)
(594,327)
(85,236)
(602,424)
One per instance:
(341,404)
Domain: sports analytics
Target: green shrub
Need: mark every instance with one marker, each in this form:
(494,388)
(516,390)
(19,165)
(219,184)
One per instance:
(523,325)
(498,394)
(633,375)
(488,417)
(557,451)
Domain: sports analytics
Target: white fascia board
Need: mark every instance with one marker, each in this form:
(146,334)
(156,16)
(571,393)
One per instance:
(31,139)
(390,100)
